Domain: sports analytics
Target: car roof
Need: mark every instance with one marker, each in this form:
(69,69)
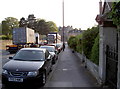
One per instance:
(47,46)
(34,49)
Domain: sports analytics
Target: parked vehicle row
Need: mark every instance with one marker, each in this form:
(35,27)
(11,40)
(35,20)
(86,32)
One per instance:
(31,65)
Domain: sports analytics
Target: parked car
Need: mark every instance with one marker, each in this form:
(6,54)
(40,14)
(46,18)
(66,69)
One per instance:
(59,47)
(28,66)
(52,51)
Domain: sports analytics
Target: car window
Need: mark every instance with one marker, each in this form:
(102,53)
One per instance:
(58,45)
(29,55)
(50,49)
(46,54)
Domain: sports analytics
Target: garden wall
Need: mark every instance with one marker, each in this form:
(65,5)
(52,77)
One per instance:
(3,44)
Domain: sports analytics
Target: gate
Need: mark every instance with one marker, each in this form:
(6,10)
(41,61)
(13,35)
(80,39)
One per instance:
(111,66)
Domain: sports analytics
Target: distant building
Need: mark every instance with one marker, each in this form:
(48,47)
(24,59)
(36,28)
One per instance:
(75,32)
(66,30)
(69,31)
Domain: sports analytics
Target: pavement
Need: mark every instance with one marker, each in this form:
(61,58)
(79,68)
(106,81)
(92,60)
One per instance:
(70,72)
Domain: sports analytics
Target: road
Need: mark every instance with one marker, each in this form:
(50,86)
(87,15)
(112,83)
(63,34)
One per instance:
(69,72)
(4,57)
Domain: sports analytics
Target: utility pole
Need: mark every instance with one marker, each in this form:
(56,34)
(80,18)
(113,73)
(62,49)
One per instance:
(63,28)
(63,20)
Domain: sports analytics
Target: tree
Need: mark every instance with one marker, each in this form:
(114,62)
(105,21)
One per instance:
(114,14)
(23,22)
(31,21)
(42,27)
(52,26)
(88,40)
(95,51)
(0,29)
(8,24)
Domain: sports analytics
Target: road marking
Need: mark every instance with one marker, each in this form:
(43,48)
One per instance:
(64,69)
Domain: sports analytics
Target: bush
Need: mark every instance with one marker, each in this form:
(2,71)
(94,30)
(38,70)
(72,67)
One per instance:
(95,51)
(4,37)
(72,42)
(88,40)
(79,43)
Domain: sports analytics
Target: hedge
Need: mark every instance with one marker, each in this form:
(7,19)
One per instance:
(88,43)
(95,51)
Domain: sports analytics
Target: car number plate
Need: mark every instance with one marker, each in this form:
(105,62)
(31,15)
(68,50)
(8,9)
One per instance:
(15,79)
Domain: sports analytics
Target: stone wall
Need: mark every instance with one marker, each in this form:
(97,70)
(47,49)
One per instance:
(93,68)
(3,44)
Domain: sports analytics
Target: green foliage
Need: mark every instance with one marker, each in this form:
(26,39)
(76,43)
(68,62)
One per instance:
(72,42)
(6,37)
(79,43)
(88,40)
(88,43)
(115,13)
(42,27)
(95,51)
(8,24)
(52,26)
(0,29)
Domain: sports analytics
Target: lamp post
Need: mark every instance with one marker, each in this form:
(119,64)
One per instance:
(63,23)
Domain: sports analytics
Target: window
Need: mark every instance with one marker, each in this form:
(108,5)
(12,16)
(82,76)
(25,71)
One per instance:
(46,54)
(29,55)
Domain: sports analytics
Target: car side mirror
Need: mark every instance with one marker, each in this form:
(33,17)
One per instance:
(55,51)
(49,58)
(10,57)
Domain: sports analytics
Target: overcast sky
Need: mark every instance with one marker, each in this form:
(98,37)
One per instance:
(78,13)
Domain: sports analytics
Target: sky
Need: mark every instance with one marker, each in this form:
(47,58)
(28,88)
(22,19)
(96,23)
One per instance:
(77,13)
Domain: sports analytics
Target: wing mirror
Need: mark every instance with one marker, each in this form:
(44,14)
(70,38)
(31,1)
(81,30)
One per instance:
(49,58)
(10,57)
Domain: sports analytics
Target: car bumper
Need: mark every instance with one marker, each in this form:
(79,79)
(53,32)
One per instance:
(26,80)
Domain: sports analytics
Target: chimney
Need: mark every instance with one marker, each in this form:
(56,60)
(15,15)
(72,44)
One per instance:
(100,7)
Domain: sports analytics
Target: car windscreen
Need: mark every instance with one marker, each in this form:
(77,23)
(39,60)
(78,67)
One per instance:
(50,49)
(29,55)
(58,45)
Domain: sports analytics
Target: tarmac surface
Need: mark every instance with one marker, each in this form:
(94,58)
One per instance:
(68,73)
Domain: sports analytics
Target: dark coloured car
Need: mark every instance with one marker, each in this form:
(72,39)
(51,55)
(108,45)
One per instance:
(28,66)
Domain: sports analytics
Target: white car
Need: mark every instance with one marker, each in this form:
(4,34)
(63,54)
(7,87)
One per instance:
(52,51)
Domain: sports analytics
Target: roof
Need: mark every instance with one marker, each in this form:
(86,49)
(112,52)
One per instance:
(105,10)
(34,49)
(107,7)
(47,46)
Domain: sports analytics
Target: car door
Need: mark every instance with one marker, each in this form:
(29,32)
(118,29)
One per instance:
(48,61)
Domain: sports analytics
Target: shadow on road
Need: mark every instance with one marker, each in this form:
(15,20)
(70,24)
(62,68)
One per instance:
(21,87)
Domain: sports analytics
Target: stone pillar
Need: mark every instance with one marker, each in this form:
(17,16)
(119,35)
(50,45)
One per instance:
(118,84)
(102,57)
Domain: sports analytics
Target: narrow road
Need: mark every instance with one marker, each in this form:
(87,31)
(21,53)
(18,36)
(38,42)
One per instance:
(69,72)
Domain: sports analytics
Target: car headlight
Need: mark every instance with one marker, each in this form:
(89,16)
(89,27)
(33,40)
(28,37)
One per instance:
(5,71)
(34,73)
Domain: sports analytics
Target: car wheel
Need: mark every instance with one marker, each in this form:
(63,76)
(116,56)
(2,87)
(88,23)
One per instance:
(43,78)
(51,68)
(53,61)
